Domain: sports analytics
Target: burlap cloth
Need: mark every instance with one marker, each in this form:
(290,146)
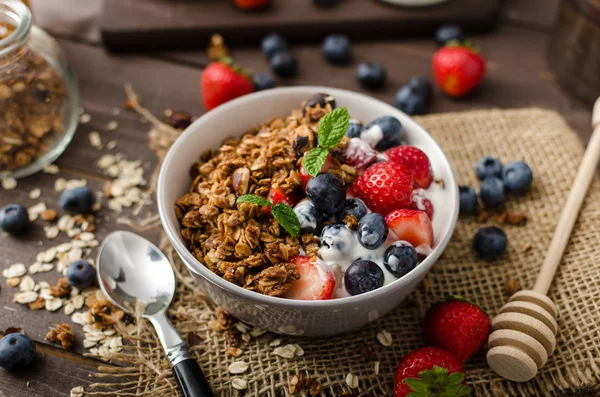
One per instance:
(539,137)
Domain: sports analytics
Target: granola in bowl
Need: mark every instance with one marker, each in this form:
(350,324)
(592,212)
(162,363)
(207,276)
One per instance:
(351,236)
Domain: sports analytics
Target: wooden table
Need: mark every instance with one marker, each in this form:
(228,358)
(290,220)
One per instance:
(517,77)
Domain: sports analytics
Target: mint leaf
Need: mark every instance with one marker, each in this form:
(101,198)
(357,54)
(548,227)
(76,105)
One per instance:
(314,159)
(332,128)
(285,215)
(251,198)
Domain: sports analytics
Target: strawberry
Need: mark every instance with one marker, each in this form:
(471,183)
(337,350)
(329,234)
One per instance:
(384,187)
(411,225)
(422,204)
(457,69)
(222,82)
(358,154)
(276,195)
(251,4)
(415,160)
(430,372)
(305,176)
(458,326)
(315,282)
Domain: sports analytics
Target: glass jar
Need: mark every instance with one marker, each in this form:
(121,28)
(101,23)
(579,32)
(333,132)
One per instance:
(39,99)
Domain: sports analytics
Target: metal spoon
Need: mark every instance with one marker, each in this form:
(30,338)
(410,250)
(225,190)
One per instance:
(131,268)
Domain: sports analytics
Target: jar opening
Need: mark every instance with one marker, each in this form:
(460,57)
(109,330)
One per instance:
(15,23)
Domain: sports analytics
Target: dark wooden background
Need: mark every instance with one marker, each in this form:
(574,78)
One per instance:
(517,77)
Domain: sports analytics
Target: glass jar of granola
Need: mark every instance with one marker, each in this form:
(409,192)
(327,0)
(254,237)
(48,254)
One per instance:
(39,99)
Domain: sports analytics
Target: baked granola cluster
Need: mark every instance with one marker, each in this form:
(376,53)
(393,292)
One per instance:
(243,243)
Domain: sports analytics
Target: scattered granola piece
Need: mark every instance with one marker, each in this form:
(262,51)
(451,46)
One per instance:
(287,351)
(351,380)
(62,289)
(13,282)
(112,125)
(35,194)
(234,351)
(25,297)
(62,334)
(77,392)
(51,169)
(8,183)
(16,270)
(26,284)
(526,247)
(239,383)
(238,367)
(37,304)
(384,337)
(85,118)
(104,313)
(376,367)
(48,215)
(53,304)
(511,286)
(95,139)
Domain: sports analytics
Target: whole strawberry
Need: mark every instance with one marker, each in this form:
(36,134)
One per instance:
(415,160)
(457,69)
(384,187)
(458,326)
(430,372)
(250,5)
(222,82)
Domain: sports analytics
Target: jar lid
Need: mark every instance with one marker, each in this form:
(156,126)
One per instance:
(15,17)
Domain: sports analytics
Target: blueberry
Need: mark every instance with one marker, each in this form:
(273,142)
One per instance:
(263,81)
(468,200)
(327,193)
(320,99)
(16,351)
(383,133)
(490,243)
(284,64)
(354,129)
(492,192)
(517,177)
(272,44)
(325,3)
(371,75)
(337,48)
(415,97)
(79,200)
(372,231)
(448,32)
(352,206)
(363,276)
(14,219)
(336,242)
(400,258)
(81,274)
(488,166)
(311,220)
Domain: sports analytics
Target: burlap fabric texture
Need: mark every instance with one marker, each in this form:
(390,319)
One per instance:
(539,137)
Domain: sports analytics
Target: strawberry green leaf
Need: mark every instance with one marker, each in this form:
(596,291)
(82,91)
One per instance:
(437,383)
(313,160)
(251,198)
(416,384)
(285,215)
(332,128)
(456,378)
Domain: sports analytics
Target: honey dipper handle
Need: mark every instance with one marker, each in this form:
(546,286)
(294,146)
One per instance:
(584,177)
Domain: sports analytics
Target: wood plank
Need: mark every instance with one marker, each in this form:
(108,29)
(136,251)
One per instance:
(532,14)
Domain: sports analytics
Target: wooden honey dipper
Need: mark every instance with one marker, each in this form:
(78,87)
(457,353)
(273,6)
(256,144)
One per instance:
(524,331)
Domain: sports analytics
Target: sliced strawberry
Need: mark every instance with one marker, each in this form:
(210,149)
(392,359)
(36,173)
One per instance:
(276,195)
(358,154)
(305,176)
(411,225)
(315,283)
(416,161)
(422,203)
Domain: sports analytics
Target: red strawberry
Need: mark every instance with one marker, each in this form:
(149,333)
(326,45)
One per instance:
(458,326)
(416,161)
(411,225)
(221,82)
(422,204)
(457,69)
(305,176)
(276,195)
(428,371)
(252,4)
(315,283)
(384,187)
(358,154)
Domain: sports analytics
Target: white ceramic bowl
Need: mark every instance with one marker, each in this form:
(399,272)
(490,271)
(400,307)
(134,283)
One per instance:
(295,317)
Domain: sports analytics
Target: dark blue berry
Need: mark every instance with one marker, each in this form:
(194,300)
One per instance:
(354,129)
(353,206)
(16,351)
(363,276)
(415,97)
(80,200)
(383,133)
(372,231)
(337,48)
(325,3)
(448,32)
(490,243)
(284,64)
(468,200)
(263,81)
(517,177)
(81,274)
(488,166)
(400,258)
(371,75)
(272,44)
(311,220)
(327,193)
(320,99)
(492,192)
(14,219)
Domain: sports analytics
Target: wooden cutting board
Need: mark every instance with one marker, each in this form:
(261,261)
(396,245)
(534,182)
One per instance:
(134,25)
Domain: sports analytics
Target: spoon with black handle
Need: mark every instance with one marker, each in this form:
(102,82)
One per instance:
(132,269)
